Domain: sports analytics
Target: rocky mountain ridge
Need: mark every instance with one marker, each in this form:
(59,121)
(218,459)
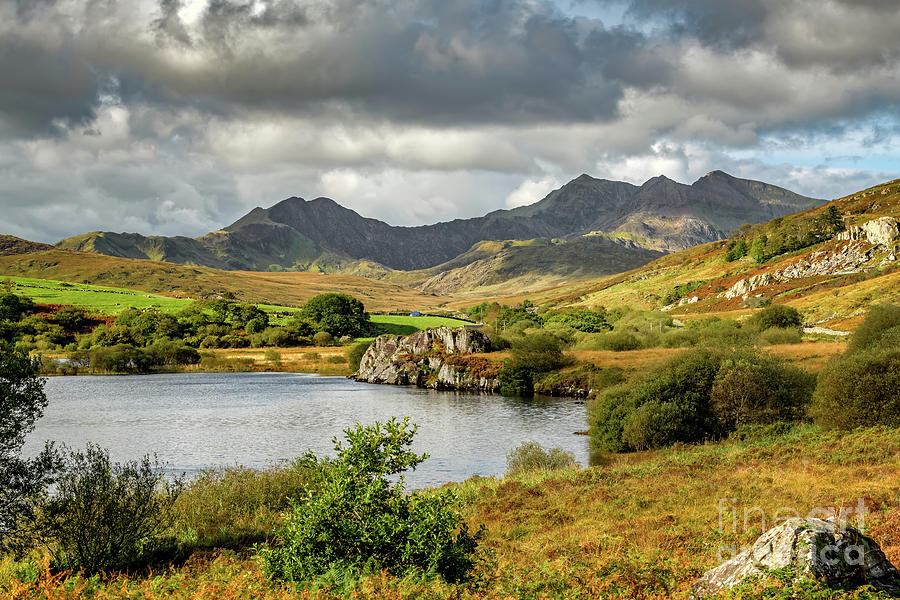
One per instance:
(320,234)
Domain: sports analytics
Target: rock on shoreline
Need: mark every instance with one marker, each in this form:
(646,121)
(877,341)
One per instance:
(442,359)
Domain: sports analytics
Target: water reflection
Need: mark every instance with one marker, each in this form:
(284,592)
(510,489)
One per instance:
(194,421)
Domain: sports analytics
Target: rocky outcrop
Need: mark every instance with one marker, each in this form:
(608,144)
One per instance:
(845,259)
(841,557)
(880,232)
(743,287)
(857,246)
(430,358)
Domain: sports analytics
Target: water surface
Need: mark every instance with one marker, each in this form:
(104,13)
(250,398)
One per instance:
(194,421)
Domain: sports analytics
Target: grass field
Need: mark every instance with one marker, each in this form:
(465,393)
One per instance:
(95,299)
(287,289)
(643,525)
(104,300)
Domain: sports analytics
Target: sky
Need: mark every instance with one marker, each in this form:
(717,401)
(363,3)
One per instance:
(176,117)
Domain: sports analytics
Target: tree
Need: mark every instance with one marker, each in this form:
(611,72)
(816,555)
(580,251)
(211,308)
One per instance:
(338,314)
(13,308)
(758,249)
(23,482)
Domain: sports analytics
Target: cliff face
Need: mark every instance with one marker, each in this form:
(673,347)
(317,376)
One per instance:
(442,358)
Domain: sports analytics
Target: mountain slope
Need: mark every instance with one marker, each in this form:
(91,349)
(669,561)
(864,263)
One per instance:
(300,235)
(802,260)
(530,265)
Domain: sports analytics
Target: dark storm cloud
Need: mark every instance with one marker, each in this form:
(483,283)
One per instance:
(451,61)
(169,116)
(836,34)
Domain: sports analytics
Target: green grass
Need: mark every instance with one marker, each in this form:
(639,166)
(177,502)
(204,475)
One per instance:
(113,300)
(94,298)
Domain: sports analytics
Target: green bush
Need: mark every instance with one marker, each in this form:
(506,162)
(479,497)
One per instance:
(530,357)
(355,353)
(758,390)
(588,321)
(531,456)
(858,390)
(323,338)
(697,395)
(881,321)
(273,356)
(777,315)
(106,516)
(359,516)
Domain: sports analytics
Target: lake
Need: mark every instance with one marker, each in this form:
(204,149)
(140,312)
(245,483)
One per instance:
(194,421)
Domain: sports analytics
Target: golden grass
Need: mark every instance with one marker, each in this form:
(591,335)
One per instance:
(307,359)
(644,525)
(288,289)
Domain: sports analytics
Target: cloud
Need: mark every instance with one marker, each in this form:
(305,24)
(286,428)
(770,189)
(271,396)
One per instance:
(531,190)
(177,116)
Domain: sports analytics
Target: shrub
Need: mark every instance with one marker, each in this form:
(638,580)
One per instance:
(323,338)
(355,353)
(359,515)
(758,390)
(531,456)
(617,341)
(777,315)
(273,356)
(699,394)
(881,321)
(588,321)
(859,390)
(531,357)
(106,516)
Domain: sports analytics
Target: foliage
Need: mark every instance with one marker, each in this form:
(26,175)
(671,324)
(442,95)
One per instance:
(23,482)
(777,315)
(532,456)
(881,322)
(338,314)
(13,307)
(696,395)
(531,356)
(859,389)
(779,335)
(510,315)
(106,516)
(358,517)
(758,249)
(736,250)
(323,338)
(355,353)
(588,321)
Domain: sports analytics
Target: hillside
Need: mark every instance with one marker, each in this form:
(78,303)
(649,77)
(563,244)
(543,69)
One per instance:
(528,265)
(320,234)
(291,289)
(802,260)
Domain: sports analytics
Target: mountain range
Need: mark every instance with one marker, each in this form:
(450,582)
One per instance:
(613,225)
